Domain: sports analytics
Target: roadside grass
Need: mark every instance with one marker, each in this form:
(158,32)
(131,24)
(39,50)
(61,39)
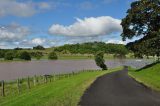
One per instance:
(62,92)
(149,76)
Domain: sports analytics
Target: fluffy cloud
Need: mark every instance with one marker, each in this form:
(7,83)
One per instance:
(32,42)
(21,9)
(116,41)
(93,26)
(13,32)
(38,41)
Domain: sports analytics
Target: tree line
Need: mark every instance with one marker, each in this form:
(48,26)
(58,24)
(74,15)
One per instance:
(92,48)
(9,54)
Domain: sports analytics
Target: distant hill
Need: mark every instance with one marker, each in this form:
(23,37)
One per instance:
(92,47)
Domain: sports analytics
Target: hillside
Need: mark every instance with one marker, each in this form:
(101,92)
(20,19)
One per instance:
(92,47)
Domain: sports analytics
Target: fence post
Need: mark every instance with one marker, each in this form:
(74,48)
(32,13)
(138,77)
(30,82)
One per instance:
(45,78)
(54,77)
(35,80)
(2,84)
(28,83)
(73,73)
(50,78)
(18,85)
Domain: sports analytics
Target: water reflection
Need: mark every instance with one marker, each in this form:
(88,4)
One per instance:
(14,70)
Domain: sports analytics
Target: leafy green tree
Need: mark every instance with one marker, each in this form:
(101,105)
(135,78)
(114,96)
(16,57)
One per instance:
(17,48)
(143,20)
(9,55)
(38,55)
(100,61)
(39,47)
(2,53)
(53,56)
(24,55)
(92,48)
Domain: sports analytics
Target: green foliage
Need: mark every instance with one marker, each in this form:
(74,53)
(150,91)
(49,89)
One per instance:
(18,48)
(2,53)
(39,47)
(92,48)
(9,55)
(24,55)
(143,20)
(37,55)
(100,61)
(53,56)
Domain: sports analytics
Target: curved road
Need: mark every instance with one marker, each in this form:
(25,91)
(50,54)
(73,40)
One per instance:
(118,89)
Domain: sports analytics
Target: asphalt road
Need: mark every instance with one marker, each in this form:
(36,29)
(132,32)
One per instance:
(118,89)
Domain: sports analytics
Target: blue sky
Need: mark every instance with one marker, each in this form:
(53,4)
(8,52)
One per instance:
(26,23)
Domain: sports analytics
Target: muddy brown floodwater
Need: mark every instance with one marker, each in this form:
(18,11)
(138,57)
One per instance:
(14,70)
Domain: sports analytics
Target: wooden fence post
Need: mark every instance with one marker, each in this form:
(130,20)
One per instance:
(50,78)
(28,83)
(54,77)
(18,85)
(2,84)
(35,80)
(45,78)
(73,73)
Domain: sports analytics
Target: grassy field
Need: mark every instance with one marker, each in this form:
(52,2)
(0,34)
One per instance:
(149,76)
(63,92)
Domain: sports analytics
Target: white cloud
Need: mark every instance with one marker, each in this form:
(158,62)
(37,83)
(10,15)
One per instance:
(93,26)
(116,41)
(38,41)
(21,9)
(32,42)
(13,32)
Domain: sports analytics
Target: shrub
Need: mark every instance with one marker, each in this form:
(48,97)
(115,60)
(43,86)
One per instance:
(2,53)
(53,56)
(38,55)
(100,61)
(39,47)
(9,55)
(24,55)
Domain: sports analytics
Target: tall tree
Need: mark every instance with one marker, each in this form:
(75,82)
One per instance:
(143,20)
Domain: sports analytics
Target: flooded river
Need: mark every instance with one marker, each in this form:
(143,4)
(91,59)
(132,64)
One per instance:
(14,70)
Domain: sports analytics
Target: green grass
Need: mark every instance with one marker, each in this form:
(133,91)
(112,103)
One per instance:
(63,92)
(149,76)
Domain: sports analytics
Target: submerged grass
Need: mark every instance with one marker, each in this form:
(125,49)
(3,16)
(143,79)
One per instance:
(62,92)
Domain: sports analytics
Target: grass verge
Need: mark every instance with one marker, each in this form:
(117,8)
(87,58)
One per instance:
(63,92)
(149,76)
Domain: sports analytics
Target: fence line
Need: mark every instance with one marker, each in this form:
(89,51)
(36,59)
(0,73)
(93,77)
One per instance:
(34,81)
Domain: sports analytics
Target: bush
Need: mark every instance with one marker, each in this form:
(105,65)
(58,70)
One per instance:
(9,55)
(100,61)
(24,55)
(37,55)
(53,56)
(2,53)
(39,47)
